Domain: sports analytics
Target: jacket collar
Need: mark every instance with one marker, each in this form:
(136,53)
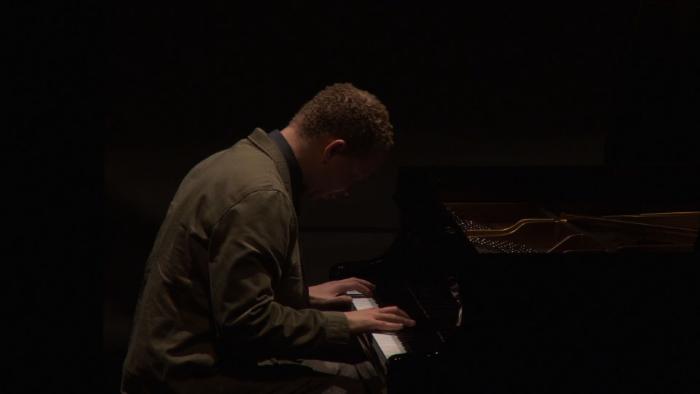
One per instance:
(260,139)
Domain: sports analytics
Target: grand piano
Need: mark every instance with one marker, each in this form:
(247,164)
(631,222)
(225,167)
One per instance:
(539,279)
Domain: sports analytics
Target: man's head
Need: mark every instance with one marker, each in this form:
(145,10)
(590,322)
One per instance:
(340,137)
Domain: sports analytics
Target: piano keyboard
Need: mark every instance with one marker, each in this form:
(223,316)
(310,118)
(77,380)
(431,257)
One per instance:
(385,344)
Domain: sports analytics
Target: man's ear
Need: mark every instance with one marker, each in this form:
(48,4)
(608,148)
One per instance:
(333,148)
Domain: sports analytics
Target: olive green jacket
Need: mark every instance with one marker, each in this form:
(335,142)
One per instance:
(223,284)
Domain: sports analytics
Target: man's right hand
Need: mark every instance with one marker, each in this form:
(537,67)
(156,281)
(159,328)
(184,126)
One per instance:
(390,318)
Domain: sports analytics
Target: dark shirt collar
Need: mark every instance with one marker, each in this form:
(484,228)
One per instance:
(293,165)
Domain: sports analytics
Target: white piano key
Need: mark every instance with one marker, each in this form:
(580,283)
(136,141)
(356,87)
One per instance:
(364,303)
(389,343)
(385,344)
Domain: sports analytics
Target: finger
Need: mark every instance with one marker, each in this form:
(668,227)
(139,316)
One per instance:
(387,326)
(364,282)
(358,287)
(395,310)
(364,289)
(390,318)
(396,319)
(341,300)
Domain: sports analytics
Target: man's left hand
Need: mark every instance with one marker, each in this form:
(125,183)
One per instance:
(331,295)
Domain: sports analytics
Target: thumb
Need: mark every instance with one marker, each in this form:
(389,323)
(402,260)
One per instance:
(343,300)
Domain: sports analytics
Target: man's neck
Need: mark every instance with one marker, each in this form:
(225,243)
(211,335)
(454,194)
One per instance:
(300,147)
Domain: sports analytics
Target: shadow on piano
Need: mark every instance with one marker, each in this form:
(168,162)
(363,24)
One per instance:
(542,279)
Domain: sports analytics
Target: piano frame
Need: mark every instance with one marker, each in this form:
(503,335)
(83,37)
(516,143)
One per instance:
(431,244)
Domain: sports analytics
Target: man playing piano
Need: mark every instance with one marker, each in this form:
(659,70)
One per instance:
(223,307)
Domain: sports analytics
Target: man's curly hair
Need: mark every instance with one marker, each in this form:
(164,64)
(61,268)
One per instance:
(346,112)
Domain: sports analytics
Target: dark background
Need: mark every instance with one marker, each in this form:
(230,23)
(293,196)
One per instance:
(504,84)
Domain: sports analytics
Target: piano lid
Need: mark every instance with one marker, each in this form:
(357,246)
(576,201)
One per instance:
(592,189)
(561,209)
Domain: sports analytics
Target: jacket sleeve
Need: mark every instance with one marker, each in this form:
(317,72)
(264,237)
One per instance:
(248,255)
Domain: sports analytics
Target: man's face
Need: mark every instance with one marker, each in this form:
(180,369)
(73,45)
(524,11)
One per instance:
(341,171)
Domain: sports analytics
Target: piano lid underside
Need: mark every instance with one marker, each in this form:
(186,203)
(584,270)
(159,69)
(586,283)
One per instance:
(520,227)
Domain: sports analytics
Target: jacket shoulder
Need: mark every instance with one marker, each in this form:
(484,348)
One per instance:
(223,179)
